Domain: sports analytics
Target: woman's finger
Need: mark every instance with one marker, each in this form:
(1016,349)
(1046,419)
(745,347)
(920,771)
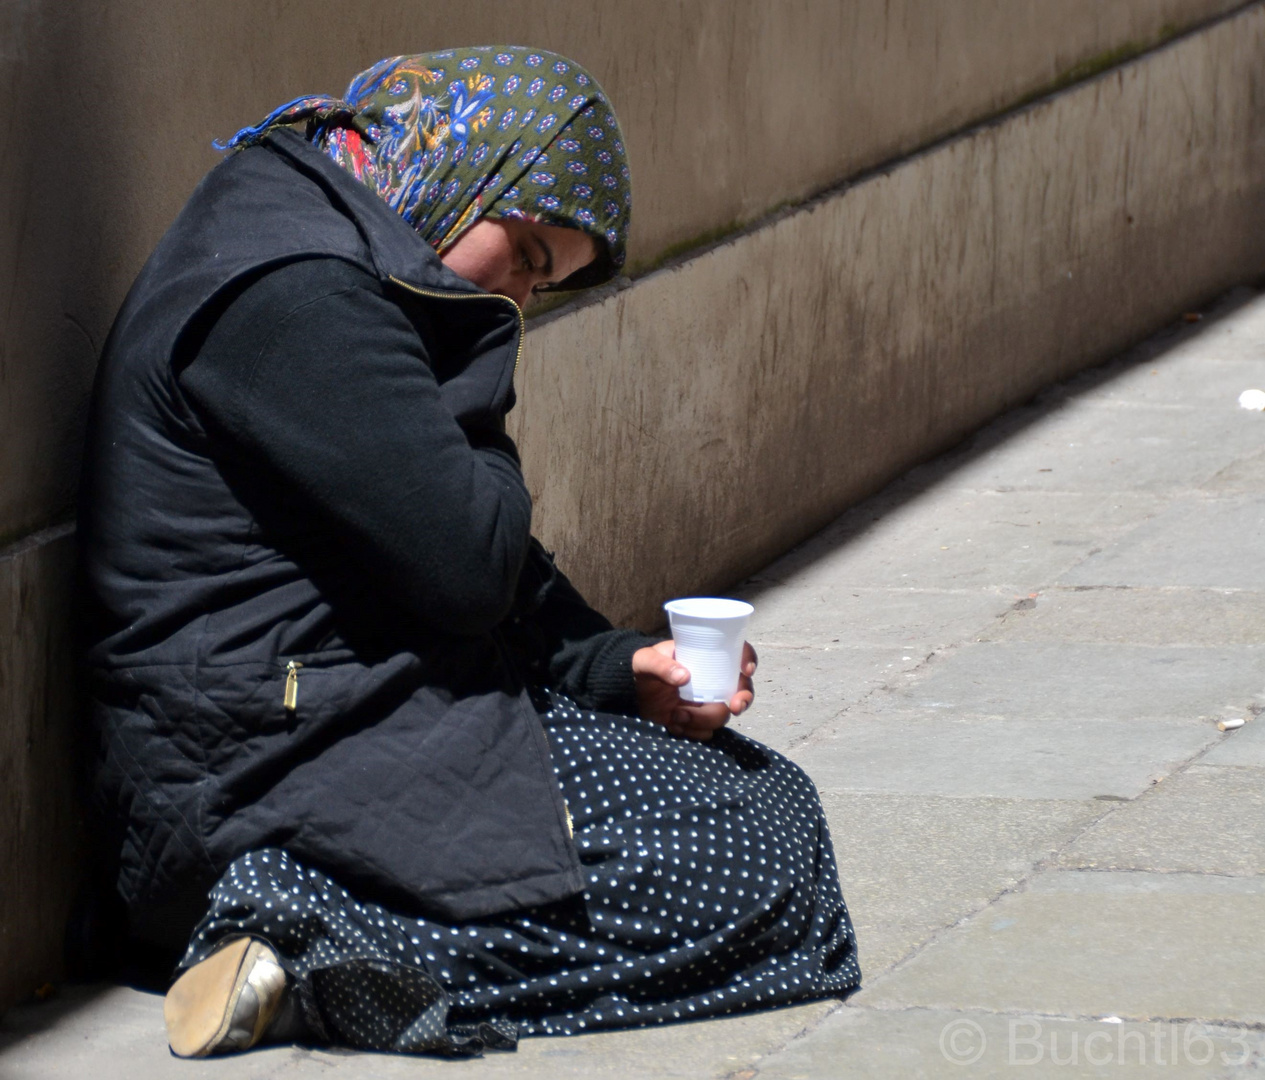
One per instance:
(749,659)
(743,697)
(659,663)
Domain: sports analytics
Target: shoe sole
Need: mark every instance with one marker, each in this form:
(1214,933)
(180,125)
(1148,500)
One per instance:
(199,1006)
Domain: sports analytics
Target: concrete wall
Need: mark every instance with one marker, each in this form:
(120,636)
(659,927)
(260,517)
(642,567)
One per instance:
(731,107)
(40,819)
(679,431)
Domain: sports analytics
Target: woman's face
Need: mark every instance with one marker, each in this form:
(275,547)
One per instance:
(513,257)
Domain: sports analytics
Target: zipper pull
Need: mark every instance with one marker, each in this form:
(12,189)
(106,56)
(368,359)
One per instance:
(292,686)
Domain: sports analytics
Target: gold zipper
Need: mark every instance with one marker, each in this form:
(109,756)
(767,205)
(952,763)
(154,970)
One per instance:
(440,295)
(292,686)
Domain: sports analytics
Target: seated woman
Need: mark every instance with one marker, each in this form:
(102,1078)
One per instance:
(436,801)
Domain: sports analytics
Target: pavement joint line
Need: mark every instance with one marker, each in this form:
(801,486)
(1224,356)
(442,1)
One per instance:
(1152,792)
(1247,1025)
(1166,493)
(1019,886)
(930,590)
(1222,590)
(818,733)
(1035,868)
(1258,768)
(750,1069)
(808,736)
(785,646)
(1116,871)
(1141,718)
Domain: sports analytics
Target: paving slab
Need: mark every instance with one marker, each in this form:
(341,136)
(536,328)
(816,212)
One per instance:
(117,1034)
(1205,819)
(1207,373)
(825,613)
(1063,680)
(998,756)
(1203,542)
(1118,447)
(1243,746)
(799,690)
(1135,616)
(114,1033)
(937,1044)
(1246,476)
(946,538)
(913,864)
(1083,943)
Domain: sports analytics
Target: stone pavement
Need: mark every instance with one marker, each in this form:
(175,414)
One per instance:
(1005,674)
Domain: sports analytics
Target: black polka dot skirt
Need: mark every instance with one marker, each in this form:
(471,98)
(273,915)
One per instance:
(712,889)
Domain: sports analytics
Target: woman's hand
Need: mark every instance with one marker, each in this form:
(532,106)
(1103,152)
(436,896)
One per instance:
(659,680)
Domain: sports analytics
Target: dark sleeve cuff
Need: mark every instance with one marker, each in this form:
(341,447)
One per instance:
(609,686)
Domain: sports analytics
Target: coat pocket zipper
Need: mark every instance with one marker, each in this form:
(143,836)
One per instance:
(291,699)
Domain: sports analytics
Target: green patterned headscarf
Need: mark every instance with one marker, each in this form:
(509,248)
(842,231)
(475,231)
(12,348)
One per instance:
(496,131)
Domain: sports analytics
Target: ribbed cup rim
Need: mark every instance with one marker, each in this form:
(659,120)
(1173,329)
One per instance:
(708,607)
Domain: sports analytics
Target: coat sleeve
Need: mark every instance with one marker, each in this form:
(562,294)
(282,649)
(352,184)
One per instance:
(567,644)
(317,377)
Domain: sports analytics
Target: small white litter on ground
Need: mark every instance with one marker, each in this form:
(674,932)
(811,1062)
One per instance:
(1252,399)
(1229,725)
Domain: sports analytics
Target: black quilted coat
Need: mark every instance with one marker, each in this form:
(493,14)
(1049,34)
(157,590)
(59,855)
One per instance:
(313,603)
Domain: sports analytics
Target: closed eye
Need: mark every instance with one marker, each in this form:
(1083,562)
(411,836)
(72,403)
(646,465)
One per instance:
(546,257)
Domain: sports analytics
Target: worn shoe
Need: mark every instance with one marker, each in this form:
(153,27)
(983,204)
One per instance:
(227,1001)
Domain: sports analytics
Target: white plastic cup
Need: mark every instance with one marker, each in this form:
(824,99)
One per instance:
(709,633)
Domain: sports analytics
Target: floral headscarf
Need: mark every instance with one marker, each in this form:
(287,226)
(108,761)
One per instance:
(496,131)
